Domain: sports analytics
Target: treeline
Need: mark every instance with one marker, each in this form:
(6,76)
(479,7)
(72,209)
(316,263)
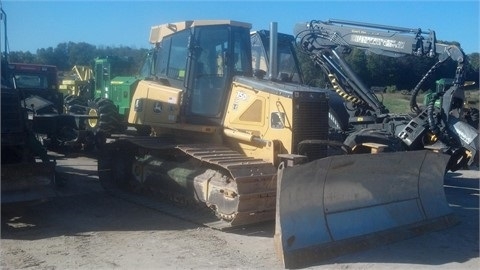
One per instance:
(401,73)
(66,55)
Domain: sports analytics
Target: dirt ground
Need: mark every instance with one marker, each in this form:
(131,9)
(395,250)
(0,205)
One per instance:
(86,228)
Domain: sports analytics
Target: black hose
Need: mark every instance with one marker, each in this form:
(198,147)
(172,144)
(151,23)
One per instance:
(432,123)
(413,100)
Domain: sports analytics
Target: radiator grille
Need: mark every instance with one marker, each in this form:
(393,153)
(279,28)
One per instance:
(310,124)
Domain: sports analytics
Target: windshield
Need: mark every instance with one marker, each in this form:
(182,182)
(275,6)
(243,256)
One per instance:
(28,81)
(220,53)
(288,70)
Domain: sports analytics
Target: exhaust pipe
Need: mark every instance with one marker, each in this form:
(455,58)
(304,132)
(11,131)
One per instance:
(273,64)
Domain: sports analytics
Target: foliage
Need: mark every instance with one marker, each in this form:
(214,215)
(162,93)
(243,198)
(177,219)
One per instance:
(312,75)
(474,61)
(374,70)
(68,54)
(404,72)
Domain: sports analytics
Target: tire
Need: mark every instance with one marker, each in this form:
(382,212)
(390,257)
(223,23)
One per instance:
(109,120)
(74,104)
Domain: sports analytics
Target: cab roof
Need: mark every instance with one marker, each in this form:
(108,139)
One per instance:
(158,32)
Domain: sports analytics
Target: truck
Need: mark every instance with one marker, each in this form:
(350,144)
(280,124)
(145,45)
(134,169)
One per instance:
(220,131)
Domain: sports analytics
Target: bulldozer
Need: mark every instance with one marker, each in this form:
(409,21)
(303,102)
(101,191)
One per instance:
(253,147)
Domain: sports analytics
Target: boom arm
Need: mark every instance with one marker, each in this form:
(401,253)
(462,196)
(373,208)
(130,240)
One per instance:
(322,40)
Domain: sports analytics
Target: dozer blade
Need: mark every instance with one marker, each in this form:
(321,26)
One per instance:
(341,204)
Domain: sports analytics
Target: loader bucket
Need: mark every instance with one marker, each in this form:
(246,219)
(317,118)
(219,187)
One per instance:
(341,204)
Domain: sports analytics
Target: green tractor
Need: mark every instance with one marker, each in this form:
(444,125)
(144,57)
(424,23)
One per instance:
(107,98)
(110,98)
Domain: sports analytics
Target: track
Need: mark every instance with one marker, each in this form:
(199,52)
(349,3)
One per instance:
(196,214)
(244,195)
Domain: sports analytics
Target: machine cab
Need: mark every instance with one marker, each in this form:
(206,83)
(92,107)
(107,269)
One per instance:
(288,67)
(193,66)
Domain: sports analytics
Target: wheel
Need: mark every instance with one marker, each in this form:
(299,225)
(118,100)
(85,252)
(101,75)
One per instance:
(109,120)
(74,104)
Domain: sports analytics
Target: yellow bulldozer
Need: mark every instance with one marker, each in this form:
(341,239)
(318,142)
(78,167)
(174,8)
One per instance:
(251,147)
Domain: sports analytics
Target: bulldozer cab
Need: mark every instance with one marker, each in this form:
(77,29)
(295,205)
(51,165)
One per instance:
(288,66)
(196,61)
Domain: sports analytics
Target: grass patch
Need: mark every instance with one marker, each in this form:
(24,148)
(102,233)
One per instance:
(400,103)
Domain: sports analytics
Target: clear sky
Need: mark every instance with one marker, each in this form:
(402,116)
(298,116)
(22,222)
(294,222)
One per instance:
(34,24)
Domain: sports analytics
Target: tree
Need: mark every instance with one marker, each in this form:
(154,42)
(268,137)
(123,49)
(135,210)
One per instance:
(22,57)
(472,70)
(474,60)
(312,75)
(61,55)
(81,53)
(357,60)
(46,56)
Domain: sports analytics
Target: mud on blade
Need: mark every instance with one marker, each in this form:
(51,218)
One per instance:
(341,204)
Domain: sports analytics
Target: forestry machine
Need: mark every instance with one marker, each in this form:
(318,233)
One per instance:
(442,129)
(374,203)
(221,133)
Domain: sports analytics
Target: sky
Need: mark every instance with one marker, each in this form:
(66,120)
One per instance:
(36,24)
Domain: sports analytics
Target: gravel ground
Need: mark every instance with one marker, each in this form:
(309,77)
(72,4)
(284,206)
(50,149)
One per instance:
(85,228)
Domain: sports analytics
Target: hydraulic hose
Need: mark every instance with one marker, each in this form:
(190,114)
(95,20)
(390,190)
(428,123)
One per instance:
(413,100)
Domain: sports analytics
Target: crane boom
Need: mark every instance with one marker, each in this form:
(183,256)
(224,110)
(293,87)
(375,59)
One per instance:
(321,38)
(326,41)
(379,39)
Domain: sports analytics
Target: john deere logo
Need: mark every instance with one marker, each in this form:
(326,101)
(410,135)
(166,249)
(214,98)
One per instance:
(157,107)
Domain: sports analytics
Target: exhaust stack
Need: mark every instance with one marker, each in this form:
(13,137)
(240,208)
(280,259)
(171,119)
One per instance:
(273,64)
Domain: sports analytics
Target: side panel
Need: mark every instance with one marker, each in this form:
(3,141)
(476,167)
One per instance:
(155,104)
(263,115)
(121,89)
